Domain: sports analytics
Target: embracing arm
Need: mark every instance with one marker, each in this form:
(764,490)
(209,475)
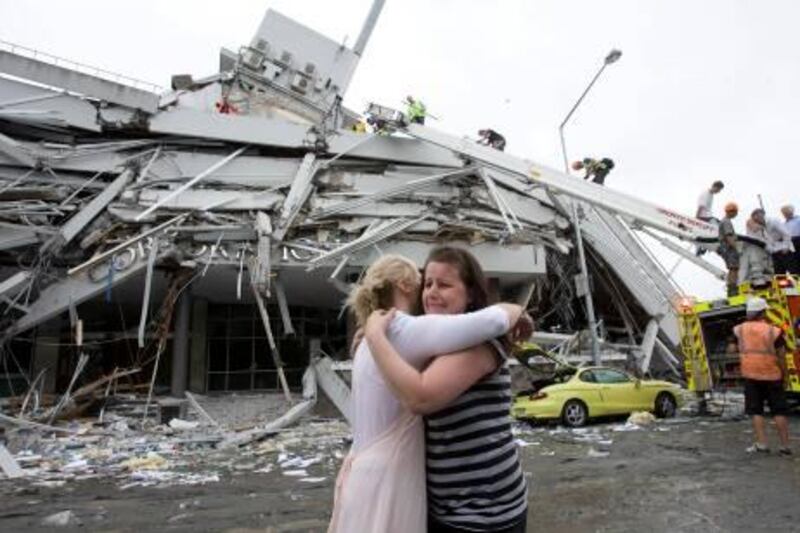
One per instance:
(419,338)
(445,379)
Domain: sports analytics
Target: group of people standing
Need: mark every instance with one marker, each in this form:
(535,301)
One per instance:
(780,238)
(431,391)
(761,345)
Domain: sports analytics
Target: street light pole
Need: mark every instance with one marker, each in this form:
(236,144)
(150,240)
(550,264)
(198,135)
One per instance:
(612,57)
(583,284)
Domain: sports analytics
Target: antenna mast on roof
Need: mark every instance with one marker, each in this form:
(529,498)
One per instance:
(369,25)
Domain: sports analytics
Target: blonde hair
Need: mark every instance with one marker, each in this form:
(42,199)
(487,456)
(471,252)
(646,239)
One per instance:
(375,290)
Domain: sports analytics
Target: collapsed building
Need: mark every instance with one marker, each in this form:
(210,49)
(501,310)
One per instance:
(206,234)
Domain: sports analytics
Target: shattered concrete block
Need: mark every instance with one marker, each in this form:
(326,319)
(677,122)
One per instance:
(641,418)
(62,519)
(183,425)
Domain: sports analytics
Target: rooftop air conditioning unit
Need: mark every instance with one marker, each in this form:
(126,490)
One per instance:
(253,58)
(300,83)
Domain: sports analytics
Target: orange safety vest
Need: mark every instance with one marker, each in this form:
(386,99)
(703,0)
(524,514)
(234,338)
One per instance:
(757,354)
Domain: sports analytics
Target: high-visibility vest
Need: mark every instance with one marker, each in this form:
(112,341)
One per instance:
(417,109)
(757,354)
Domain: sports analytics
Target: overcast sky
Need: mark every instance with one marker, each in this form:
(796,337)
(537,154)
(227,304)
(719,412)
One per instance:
(704,90)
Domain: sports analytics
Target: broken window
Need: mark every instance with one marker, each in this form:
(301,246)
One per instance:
(238,353)
(15,371)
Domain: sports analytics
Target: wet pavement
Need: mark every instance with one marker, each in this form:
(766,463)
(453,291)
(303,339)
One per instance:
(684,474)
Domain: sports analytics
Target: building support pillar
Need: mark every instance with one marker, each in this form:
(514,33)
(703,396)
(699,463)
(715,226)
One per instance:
(198,366)
(45,354)
(180,345)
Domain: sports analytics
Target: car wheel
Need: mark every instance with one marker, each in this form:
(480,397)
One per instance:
(574,414)
(666,406)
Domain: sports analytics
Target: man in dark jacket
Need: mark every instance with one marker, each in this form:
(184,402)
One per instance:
(492,138)
(596,170)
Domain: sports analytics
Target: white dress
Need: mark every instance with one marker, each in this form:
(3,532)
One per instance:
(381,485)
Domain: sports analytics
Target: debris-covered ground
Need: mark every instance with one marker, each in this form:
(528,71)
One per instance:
(683,474)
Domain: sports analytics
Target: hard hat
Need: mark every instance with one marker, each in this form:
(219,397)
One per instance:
(756,305)
(731,206)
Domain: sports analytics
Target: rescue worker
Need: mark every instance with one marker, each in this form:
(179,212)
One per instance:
(492,138)
(755,263)
(378,125)
(706,200)
(704,212)
(359,127)
(778,242)
(763,366)
(728,247)
(415,110)
(595,169)
(792,227)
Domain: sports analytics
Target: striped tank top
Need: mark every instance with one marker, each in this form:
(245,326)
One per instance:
(475,480)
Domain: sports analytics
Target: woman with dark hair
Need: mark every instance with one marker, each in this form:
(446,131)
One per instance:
(474,477)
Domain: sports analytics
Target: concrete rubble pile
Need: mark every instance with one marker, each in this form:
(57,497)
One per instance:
(202,238)
(195,449)
(163,456)
(592,442)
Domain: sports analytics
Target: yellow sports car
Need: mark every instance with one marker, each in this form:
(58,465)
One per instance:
(590,392)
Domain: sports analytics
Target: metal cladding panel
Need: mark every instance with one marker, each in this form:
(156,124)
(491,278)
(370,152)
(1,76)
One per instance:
(251,171)
(249,130)
(221,200)
(508,261)
(622,232)
(274,132)
(629,272)
(56,76)
(392,148)
(331,59)
(624,260)
(70,110)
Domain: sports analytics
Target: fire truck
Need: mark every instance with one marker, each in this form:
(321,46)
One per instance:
(711,359)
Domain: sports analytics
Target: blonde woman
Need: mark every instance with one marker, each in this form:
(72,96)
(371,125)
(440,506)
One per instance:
(381,484)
